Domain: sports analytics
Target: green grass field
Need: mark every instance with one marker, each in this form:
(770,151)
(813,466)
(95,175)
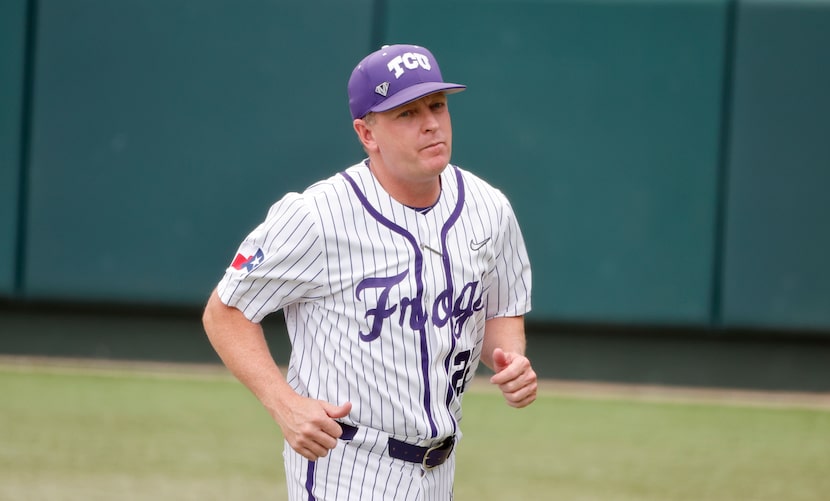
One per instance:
(135,434)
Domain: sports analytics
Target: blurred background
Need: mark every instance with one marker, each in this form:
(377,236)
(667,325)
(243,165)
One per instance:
(669,162)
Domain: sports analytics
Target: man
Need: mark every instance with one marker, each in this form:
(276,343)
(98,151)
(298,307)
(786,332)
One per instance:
(396,277)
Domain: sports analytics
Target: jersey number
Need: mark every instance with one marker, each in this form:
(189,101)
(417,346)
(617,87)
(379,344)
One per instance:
(462,367)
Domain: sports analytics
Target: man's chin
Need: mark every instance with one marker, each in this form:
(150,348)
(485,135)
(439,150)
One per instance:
(437,163)
(438,168)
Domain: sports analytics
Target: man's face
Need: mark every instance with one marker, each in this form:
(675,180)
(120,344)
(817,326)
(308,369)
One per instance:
(414,140)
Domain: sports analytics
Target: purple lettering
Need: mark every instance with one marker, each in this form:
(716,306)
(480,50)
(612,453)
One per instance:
(444,309)
(380,312)
(465,305)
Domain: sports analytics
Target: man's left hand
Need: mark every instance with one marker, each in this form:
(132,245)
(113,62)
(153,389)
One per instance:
(515,377)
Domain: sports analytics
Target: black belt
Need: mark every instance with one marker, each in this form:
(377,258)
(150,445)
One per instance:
(428,457)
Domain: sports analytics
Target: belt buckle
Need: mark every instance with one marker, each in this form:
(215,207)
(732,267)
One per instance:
(434,448)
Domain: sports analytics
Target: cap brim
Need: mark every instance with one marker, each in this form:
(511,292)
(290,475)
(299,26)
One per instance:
(415,92)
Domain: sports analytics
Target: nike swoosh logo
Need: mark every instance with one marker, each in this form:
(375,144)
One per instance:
(478,245)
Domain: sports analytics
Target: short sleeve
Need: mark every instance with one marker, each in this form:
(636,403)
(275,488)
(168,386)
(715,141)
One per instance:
(277,264)
(509,282)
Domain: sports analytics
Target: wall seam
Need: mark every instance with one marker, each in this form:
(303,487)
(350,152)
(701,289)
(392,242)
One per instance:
(722,179)
(26,119)
(379,10)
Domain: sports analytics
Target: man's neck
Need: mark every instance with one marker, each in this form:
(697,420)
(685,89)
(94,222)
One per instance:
(411,193)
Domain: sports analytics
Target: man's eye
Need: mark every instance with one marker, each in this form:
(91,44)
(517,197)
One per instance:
(438,105)
(404,114)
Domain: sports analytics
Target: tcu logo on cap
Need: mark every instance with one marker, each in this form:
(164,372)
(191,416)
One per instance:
(410,61)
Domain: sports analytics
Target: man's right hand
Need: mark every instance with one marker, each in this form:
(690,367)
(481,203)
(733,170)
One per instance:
(309,425)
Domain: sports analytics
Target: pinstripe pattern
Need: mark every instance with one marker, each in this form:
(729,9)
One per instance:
(385,307)
(364,472)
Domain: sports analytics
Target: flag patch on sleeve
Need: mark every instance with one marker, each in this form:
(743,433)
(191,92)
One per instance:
(248,263)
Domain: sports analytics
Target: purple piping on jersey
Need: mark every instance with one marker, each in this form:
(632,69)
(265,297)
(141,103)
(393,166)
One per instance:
(445,258)
(445,255)
(309,481)
(419,266)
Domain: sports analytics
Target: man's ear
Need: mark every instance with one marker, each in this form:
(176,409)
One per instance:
(364,134)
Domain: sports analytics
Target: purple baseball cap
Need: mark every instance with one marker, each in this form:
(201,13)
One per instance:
(393,76)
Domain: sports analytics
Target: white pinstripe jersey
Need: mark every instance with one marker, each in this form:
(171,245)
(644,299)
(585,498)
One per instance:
(385,306)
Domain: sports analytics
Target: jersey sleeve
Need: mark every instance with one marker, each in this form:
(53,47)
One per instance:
(509,282)
(277,264)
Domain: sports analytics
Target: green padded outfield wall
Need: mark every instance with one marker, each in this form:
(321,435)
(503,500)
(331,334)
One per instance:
(164,130)
(12,63)
(777,254)
(602,122)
